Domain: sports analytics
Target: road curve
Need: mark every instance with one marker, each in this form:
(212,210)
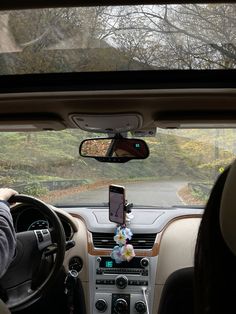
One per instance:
(161,193)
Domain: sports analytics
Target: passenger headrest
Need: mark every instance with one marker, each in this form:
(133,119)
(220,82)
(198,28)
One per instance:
(228,209)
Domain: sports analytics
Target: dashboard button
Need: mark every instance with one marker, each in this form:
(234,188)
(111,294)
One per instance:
(99,259)
(145,273)
(121,282)
(140,307)
(101,305)
(144,262)
(120,306)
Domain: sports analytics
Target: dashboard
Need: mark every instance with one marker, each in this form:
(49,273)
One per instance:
(163,243)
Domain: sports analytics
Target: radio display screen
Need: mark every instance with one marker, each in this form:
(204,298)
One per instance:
(108,262)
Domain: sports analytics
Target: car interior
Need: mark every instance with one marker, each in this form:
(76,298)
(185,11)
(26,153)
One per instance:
(116,119)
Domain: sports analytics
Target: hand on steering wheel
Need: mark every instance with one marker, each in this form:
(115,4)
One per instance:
(31,247)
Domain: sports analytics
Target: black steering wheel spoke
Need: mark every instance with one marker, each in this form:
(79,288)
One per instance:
(38,260)
(50,250)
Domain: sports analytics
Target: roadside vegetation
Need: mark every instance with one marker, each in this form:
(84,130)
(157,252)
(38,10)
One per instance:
(40,162)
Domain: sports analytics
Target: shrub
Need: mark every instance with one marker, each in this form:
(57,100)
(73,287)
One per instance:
(34,189)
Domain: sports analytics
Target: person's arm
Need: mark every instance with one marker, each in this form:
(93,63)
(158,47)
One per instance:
(7,232)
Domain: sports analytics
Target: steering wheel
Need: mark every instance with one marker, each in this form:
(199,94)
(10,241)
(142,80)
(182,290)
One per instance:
(33,248)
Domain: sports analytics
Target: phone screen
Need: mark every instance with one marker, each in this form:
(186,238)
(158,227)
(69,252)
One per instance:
(116,204)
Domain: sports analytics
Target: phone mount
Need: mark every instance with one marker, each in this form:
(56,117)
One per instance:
(128,207)
(128,210)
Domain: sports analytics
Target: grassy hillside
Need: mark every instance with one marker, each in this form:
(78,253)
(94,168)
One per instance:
(40,156)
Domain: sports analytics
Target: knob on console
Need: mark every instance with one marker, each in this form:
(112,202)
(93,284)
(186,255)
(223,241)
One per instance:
(140,307)
(99,259)
(121,282)
(144,262)
(120,306)
(101,305)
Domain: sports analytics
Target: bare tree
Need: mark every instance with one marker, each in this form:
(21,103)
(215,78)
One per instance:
(184,36)
(187,36)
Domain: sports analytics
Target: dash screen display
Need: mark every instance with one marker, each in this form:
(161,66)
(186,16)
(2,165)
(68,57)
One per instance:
(107,262)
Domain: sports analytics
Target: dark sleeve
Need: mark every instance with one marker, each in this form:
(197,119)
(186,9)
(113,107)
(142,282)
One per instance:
(7,237)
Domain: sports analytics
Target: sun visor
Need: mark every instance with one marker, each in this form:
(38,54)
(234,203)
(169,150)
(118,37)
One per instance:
(228,210)
(24,124)
(196,120)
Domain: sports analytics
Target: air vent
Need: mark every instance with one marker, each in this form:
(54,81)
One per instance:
(141,241)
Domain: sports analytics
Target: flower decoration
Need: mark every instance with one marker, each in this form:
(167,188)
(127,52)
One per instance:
(120,237)
(122,251)
(128,233)
(127,252)
(117,255)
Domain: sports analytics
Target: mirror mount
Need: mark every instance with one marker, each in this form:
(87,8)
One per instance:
(113,159)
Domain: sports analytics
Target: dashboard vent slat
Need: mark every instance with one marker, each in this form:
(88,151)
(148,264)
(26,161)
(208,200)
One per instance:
(139,241)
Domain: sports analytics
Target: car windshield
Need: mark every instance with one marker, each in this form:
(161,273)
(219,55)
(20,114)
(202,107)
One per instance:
(118,38)
(181,168)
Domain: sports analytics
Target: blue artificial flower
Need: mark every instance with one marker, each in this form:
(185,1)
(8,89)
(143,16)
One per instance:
(116,254)
(128,233)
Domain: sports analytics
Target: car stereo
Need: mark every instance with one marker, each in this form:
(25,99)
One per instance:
(137,266)
(118,287)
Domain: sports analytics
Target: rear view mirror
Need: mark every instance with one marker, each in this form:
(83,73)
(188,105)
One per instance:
(114,149)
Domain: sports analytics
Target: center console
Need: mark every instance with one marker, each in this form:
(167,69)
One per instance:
(118,288)
(125,288)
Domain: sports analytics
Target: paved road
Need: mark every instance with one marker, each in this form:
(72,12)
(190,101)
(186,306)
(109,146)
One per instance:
(141,193)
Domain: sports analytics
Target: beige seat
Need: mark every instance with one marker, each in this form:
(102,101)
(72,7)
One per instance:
(228,210)
(3,308)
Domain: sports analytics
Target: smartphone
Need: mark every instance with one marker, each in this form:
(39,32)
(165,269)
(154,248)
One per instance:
(117,204)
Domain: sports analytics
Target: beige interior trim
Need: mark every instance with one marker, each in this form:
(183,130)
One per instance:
(177,247)
(157,103)
(80,249)
(176,250)
(153,252)
(68,216)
